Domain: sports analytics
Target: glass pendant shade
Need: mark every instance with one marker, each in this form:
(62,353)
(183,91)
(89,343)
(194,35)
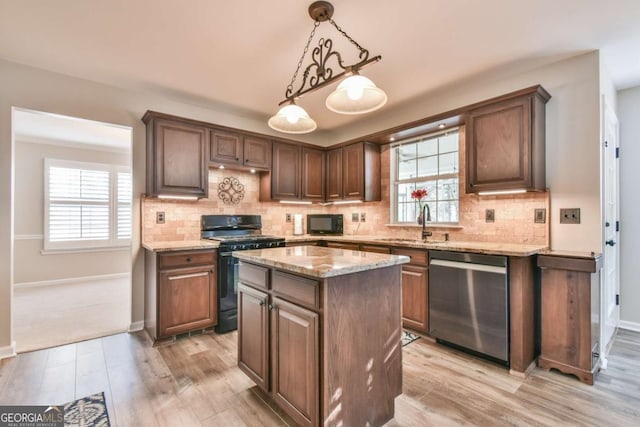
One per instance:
(292,119)
(356,95)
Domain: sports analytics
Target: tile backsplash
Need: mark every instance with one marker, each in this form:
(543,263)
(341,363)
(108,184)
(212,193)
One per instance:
(514,214)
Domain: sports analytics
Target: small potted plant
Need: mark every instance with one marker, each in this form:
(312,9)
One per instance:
(419,194)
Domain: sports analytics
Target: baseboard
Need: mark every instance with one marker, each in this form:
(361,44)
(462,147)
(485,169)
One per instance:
(136,326)
(631,326)
(71,280)
(8,351)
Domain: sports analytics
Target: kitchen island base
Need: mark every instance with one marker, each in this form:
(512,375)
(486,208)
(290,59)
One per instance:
(326,349)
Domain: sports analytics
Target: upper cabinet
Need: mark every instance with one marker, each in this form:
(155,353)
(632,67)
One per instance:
(177,154)
(505,143)
(229,148)
(313,174)
(285,173)
(334,174)
(361,172)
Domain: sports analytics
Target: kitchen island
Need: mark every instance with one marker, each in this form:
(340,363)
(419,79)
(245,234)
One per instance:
(319,329)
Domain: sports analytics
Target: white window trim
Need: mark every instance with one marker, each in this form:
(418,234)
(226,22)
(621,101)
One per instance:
(84,245)
(393,197)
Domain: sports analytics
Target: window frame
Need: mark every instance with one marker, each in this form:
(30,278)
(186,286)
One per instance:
(395,182)
(112,203)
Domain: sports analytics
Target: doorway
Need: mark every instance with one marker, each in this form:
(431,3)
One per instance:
(72,229)
(610,280)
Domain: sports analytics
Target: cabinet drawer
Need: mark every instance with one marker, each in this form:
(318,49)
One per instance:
(376,249)
(185,259)
(254,275)
(296,289)
(416,256)
(339,245)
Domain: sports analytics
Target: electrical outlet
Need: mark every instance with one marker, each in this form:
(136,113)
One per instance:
(355,217)
(363,216)
(540,216)
(570,216)
(288,217)
(159,217)
(490,215)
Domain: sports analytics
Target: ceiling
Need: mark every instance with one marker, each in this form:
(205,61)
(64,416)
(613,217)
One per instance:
(240,55)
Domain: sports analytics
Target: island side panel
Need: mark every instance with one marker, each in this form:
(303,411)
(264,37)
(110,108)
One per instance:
(522,312)
(362,349)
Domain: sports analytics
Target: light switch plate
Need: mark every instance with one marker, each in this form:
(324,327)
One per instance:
(355,217)
(570,216)
(540,216)
(490,215)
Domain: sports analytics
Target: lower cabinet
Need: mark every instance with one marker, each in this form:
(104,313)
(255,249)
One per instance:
(415,290)
(288,367)
(180,293)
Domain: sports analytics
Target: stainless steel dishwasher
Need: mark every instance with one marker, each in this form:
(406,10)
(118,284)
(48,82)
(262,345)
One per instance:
(468,302)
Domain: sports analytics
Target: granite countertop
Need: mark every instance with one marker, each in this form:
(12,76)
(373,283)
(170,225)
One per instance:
(508,249)
(570,254)
(180,245)
(318,261)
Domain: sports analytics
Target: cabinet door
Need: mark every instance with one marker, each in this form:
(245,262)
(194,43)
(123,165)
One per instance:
(353,171)
(499,146)
(257,152)
(253,335)
(415,297)
(285,174)
(334,174)
(226,147)
(180,159)
(295,364)
(186,300)
(313,170)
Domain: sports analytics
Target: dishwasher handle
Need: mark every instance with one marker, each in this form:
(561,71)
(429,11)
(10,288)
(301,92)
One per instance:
(468,266)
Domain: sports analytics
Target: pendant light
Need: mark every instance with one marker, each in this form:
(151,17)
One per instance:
(356,94)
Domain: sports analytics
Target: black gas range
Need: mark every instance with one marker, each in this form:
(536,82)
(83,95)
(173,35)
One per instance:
(235,233)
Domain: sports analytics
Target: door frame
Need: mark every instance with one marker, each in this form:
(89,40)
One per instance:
(609,148)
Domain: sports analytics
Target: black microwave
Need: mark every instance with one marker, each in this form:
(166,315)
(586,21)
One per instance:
(324,224)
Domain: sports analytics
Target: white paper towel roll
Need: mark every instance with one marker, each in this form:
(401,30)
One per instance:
(297,224)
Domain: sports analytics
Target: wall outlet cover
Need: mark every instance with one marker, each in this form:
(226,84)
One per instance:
(355,217)
(490,215)
(570,216)
(160,217)
(540,216)
(288,217)
(363,216)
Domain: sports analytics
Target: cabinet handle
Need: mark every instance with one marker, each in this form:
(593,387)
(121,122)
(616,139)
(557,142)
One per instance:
(411,273)
(189,276)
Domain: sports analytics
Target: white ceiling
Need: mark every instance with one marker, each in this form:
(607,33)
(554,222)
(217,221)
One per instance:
(241,54)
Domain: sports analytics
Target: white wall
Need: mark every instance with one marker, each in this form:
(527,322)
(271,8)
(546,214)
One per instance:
(572,135)
(29,218)
(629,116)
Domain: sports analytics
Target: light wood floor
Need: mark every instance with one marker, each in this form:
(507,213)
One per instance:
(195,382)
(48,316)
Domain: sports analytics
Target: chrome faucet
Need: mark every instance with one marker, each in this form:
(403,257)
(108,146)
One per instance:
(425,233)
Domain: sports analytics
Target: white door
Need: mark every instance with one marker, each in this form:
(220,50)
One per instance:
(610,280)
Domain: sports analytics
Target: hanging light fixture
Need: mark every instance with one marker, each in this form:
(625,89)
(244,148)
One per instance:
(356,94)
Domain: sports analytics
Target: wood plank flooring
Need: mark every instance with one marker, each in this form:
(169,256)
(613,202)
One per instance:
(195,382)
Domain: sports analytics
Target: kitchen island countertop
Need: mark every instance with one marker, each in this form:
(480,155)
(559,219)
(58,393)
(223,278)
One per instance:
(320,262)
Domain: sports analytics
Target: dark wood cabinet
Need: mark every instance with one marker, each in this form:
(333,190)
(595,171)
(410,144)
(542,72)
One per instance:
(180,292)
(334,174)
(361,172)
(285,173)
(235,149)
(570,315)
(253,335)
(415,290)
(226,147)
(313,174)
(176,157)
(295,364)
(343,245)
(505,143)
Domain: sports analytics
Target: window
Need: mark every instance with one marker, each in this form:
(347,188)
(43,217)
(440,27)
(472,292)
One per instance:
(87,205)
(429,162)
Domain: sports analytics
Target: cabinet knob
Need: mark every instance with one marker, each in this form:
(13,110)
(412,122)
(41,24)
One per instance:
(237,159)
(272,307)
(189,259)
(261,303)
(610,242)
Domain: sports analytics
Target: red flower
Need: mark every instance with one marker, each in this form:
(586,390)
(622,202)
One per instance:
(419,194)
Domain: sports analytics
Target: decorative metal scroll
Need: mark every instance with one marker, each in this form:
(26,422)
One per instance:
(231,191)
